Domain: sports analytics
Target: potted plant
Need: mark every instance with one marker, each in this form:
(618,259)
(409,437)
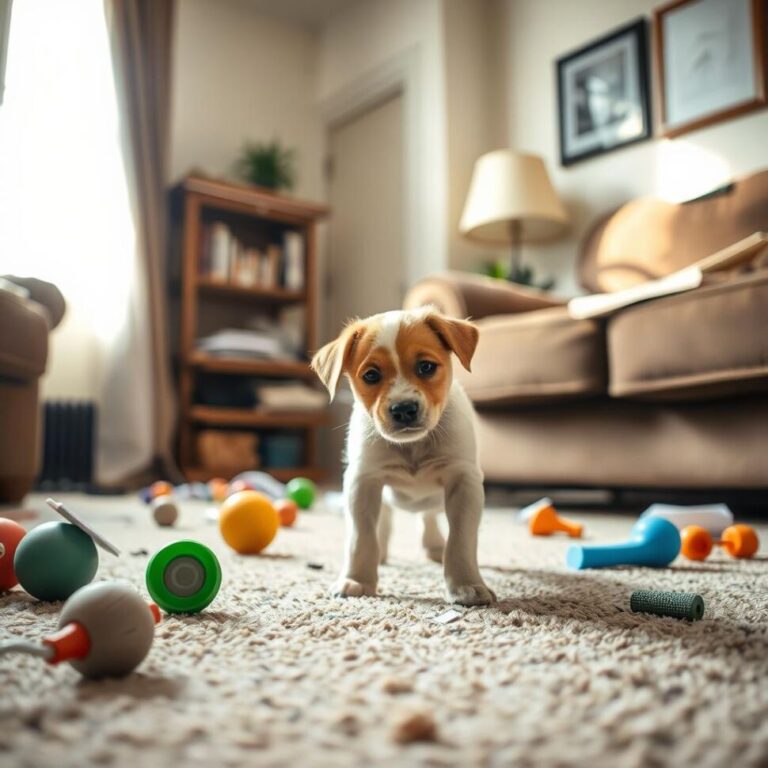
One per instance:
(268,164)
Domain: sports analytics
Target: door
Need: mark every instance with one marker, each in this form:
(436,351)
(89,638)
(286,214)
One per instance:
(365,255)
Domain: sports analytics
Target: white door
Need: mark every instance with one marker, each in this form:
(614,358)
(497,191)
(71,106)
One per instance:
(365,254)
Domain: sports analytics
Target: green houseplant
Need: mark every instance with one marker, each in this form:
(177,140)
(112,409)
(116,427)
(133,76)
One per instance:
(268,164)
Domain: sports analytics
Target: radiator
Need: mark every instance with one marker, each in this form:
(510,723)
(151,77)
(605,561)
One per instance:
(69,439)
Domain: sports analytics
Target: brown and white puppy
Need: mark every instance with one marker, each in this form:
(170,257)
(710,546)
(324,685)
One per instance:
(411,444)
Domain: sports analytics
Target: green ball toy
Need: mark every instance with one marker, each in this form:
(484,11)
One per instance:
(302,491)
(54,560)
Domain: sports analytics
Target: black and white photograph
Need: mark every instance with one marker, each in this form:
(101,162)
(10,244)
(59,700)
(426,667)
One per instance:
(603,94)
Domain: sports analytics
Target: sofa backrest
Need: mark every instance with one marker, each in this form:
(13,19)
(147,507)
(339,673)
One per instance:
(649,238)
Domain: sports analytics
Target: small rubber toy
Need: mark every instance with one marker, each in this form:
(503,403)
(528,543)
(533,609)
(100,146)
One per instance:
(164,510)
(219,489)
(288,510)
(678,605)
(262,482)
(11,533)
(236,486)
(183,577)
(302,491)
(737,540)
(54,560)
(105,630)
(160,488)
(248,522)
(654,542)
(546,521)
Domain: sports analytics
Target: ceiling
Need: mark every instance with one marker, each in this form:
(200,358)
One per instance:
(311,13)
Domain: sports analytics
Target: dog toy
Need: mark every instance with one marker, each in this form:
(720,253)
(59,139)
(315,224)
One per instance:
(160,488)
(248,522)
(183,577)
(737,540)
(287,509)
(302,491)
(545,521)
(164,510)
(678,605)
(654,542)
(105,630)
(11,533)
(262,482)
(219,489)
(236,486)
(714,517)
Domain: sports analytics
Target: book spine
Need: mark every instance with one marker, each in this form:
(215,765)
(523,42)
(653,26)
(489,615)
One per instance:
(220,251)
(294,261)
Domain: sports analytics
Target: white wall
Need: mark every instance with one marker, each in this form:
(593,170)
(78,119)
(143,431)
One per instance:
(535,33)
(240,75)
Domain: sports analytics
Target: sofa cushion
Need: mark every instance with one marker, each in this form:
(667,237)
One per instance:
(536,357)
(704,343)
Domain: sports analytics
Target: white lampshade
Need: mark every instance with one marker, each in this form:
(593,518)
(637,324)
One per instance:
(509,187)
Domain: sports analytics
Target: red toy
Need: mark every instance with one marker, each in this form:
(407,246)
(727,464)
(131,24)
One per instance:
(11,533)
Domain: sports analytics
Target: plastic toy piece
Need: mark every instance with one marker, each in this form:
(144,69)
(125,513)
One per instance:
(219,489)
(714,517)
(11,533)
(105,630)
(70,516)
(302,491)
(739,541)
(248,522)
(678,605)
(287,510)
(262,482)
(546,521)
(160,488)
(183,577)
(164,510)
(654,542)
(54,560)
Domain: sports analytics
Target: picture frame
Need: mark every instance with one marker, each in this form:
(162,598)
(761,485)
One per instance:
(710,62)
(603,93)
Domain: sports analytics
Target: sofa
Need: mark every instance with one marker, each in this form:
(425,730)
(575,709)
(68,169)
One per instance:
(670,393)
(29,309)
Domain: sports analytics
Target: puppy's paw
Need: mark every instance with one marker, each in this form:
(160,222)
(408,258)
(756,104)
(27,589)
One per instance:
(435,553)
(470,594)
(351,588)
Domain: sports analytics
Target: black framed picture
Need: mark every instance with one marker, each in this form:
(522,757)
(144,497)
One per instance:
(603,94)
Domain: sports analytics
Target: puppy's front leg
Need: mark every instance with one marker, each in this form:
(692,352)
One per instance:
(363,506)
(464,498)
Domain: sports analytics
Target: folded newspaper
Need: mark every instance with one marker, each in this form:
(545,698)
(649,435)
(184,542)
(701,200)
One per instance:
(602,304)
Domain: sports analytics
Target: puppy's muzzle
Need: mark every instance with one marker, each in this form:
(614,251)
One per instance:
(404,414)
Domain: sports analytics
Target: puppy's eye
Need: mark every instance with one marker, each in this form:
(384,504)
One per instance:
(425,368)
(372,376)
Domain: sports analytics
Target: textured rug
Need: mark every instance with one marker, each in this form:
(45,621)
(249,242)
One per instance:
(277,673)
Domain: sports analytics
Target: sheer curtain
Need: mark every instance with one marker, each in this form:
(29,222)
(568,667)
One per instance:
(66,216)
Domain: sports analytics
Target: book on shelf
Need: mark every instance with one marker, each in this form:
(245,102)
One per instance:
(293,250)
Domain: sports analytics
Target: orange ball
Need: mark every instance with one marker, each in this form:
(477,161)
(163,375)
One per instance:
(695,542)
(248,522)
(288,510)
(219,488)
(11,533)
(740,540)
(160,488)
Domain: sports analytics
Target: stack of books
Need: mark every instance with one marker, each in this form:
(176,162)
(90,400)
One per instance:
(234,342)
(226,258)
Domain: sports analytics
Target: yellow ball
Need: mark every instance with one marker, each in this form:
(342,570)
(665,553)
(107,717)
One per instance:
(248,522)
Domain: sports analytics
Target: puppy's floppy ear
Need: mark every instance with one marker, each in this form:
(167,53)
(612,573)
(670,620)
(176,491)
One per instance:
(332,360)
(459,336)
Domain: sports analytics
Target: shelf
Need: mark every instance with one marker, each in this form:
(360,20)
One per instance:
(249,417)
(202,475)
(237,365)
(217,288)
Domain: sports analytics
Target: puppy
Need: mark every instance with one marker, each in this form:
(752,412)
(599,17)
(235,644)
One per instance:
(411,444)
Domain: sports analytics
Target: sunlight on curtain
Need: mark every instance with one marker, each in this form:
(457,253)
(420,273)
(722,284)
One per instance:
(64,209)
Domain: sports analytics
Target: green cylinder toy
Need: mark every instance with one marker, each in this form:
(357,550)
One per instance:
(678,605)
(183,577)
(54,560)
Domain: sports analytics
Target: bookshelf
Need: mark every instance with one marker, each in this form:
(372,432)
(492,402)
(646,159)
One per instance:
(260,232)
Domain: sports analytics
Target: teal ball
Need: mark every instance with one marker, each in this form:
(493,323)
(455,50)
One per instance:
(302,491)
(54,560)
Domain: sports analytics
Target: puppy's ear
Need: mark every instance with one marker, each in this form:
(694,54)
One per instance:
(333,359)
(460,336)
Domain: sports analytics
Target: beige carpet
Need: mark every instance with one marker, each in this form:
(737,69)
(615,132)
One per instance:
(277,673)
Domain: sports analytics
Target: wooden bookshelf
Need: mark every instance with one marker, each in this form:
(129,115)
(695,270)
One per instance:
(195,203)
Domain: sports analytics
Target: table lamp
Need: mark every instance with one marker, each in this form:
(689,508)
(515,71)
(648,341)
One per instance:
(511,201)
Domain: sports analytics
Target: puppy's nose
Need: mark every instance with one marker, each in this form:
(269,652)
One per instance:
(405,412)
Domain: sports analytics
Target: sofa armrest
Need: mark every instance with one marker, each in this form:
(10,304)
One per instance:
(45,294)
(460,294)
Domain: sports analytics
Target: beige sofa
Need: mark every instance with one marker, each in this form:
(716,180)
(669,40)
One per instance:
(667,394)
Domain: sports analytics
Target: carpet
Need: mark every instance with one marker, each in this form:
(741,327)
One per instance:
(277,673)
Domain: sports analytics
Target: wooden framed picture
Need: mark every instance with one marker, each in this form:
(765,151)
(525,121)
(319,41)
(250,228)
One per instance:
(603,94)
(710,61)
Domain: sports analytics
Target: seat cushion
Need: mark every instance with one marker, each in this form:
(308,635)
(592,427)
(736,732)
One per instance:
(536,357)
(709,342)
